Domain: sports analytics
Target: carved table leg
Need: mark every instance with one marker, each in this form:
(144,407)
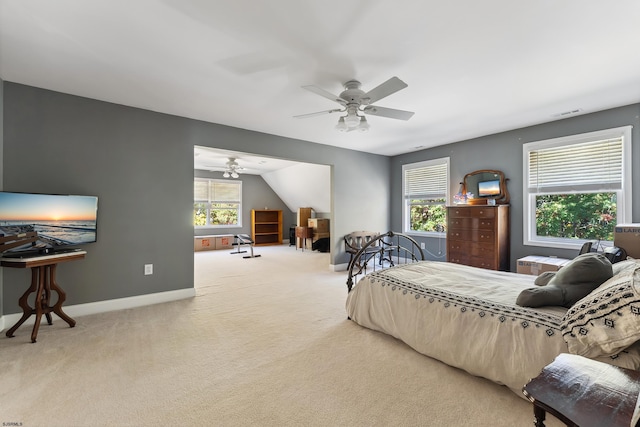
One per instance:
(39,303)
(62,296)
(46,298)
(540,414)
(27,311)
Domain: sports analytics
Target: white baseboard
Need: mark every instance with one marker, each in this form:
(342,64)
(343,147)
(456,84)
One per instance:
(108,305)
(339,267)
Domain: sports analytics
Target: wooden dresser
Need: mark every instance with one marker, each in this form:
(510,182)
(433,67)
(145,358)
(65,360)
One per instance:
(479,236)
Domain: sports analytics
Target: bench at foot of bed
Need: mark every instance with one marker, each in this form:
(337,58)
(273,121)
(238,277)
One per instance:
(584,392)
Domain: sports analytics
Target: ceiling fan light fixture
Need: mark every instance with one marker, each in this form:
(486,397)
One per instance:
(341,126)
(364,124)
(354,100)
(232,169)
(352,120)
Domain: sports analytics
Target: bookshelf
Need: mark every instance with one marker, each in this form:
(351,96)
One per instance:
(266,227)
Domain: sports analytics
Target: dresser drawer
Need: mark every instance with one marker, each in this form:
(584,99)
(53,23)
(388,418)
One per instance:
(460,247)
(483,262)
(466,223)
(480,262)
(471,212)
(471,235)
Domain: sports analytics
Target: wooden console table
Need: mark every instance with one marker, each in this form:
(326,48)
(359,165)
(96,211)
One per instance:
(583,392)
(43,281)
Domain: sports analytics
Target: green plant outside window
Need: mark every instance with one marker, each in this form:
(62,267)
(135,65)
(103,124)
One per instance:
(428,215)
(587,216)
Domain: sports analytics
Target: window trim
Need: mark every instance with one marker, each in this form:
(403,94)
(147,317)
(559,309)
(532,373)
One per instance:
(405,208)
(624,202)
(240,211)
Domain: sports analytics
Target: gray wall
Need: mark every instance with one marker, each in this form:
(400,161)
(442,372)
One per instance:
(140,164)
(256,194)
(504,152)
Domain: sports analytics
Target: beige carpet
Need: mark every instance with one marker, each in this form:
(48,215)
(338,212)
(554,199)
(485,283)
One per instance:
(265,342)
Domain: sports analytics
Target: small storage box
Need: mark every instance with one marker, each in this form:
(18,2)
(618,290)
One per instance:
(627,237)
(535,265)
(204,243)
(317,236)
(319,225)
(224,242)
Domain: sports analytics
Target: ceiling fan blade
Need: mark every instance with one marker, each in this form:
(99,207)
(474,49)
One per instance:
(387,88)
(319,113)
(388,112)
(325,94)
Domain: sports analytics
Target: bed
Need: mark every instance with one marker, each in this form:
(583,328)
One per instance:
(467,317)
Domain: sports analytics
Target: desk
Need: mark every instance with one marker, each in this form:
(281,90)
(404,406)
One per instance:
(43,281)
(583,392)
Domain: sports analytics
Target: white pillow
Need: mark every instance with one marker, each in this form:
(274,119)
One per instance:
(621,266)
(608,319)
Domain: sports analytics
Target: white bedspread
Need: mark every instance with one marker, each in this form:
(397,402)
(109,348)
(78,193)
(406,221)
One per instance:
(466,317)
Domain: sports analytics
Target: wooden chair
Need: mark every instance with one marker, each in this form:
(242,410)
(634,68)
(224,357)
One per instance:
(353,242)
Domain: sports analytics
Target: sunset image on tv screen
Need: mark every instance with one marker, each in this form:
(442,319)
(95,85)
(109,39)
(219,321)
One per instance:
(489,188)
(57,219)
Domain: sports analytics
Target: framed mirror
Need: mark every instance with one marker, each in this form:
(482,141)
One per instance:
(485,187)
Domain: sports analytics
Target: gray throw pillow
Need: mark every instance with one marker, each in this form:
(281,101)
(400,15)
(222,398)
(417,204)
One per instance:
(571,283)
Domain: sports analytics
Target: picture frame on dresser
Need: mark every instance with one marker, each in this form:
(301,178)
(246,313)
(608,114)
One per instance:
(485,187)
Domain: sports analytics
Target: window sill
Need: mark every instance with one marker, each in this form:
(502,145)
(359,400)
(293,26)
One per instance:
(433,234)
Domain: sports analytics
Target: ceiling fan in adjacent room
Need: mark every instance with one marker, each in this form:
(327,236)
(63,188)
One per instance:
(355,102)
(232,168)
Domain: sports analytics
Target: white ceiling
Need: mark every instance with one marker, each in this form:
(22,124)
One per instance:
(215,160)
(473,67)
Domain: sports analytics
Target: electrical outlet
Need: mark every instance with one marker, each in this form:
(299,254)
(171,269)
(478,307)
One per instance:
(422,245)
(148,269)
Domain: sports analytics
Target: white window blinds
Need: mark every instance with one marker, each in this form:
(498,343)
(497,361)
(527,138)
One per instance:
(588,166)
(216,191)
(225,191)
(201,191)
(426,182)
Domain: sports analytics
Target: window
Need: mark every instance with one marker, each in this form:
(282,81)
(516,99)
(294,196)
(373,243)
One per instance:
(576,188)
(425,188)
(217,203)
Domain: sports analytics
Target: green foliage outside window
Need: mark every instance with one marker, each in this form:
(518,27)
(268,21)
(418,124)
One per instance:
(428,215)
(220,214)
(589,216)
(224,214)
(200,214)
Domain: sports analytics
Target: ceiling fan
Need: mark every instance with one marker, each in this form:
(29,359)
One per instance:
(232,168)
(355,101)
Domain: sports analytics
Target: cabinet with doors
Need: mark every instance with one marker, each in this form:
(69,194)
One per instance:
(479,236)
(266,227)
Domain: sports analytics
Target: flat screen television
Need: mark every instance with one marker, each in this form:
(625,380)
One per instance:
(46,223)
(489,188)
